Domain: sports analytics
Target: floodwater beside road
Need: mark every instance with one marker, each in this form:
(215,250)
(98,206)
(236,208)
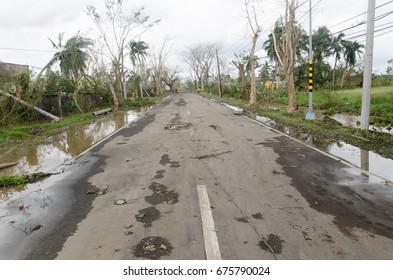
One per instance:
(45,202)
(354,121)
(63,147)
(367,160)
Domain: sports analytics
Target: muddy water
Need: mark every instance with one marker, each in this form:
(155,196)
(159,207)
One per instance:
(63,147)
(369,161)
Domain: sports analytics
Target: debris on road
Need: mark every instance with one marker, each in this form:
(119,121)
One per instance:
(152,248)
(120,201)
(161,194)
(211,155)
(273,244)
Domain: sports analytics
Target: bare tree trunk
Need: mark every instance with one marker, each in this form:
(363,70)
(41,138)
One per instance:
(253,93)
(292,106)
(256,30)
(74,95)
(123,79)
(114,95)
(343,77)
(59,104)
(243,81)
(286,51)
(334,74)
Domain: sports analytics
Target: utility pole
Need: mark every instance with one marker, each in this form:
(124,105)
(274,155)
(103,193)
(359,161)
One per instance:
(219,76)
(310,114)
(368,66)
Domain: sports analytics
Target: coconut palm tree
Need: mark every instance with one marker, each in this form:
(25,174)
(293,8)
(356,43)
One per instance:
(337,48)
(72,56)
(352,51)
(322,47)
(268,45)
(138,53)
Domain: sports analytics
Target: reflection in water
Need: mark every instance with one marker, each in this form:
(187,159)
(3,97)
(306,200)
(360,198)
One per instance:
(365,160)
(369,161)
(354,121)
(62,147)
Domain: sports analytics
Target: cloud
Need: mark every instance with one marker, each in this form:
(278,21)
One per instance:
(26,24)
(18,14)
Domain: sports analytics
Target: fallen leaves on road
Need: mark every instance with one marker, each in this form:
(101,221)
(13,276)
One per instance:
(152,248)
(120,201)
(216,155)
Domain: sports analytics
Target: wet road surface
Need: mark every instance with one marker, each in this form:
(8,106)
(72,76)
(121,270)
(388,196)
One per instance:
(192,180)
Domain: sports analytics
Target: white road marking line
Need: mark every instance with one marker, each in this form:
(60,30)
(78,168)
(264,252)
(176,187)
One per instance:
(212,248)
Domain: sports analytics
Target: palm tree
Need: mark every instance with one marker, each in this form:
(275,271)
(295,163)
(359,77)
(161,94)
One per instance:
(138,53)
(268,46)
(72,56)
(337,48)
(322,47)
(352,51)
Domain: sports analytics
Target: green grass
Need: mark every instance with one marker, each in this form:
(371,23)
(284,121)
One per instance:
(382,143)
(10,135)
(137,103)
(351,101)
(13,181)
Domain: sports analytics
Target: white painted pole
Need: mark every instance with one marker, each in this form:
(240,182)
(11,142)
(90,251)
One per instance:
(310,114)
(368,66)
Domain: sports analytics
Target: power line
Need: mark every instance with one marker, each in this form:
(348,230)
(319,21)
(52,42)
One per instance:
(363,22)
(375,31)
(379,35)
(247,44)
(361,14)
(26,50)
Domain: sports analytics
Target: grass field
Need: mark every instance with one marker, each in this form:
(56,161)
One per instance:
(350,101)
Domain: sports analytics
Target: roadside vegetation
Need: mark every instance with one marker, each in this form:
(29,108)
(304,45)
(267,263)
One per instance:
(12,135)
(346,101)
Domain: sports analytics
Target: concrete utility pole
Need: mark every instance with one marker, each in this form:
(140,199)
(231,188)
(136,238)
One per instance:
(368,66)
(310,114)
(42,112)
(219,76)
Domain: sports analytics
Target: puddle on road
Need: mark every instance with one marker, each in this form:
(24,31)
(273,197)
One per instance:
(64,146)
(370,161)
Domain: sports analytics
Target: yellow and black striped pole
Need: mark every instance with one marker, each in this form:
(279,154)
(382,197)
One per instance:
(310,76)
(310,114)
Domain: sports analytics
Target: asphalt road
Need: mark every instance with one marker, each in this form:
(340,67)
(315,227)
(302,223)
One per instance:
(196,181)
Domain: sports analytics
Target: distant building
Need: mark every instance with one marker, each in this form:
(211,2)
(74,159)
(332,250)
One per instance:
(7,70)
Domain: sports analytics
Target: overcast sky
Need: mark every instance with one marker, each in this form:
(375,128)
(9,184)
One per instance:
(25,25)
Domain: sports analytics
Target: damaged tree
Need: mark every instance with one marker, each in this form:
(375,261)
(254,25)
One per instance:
(256,30)
(286,49)
(123,29)
(240,64)
(200,58)
(158,61)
